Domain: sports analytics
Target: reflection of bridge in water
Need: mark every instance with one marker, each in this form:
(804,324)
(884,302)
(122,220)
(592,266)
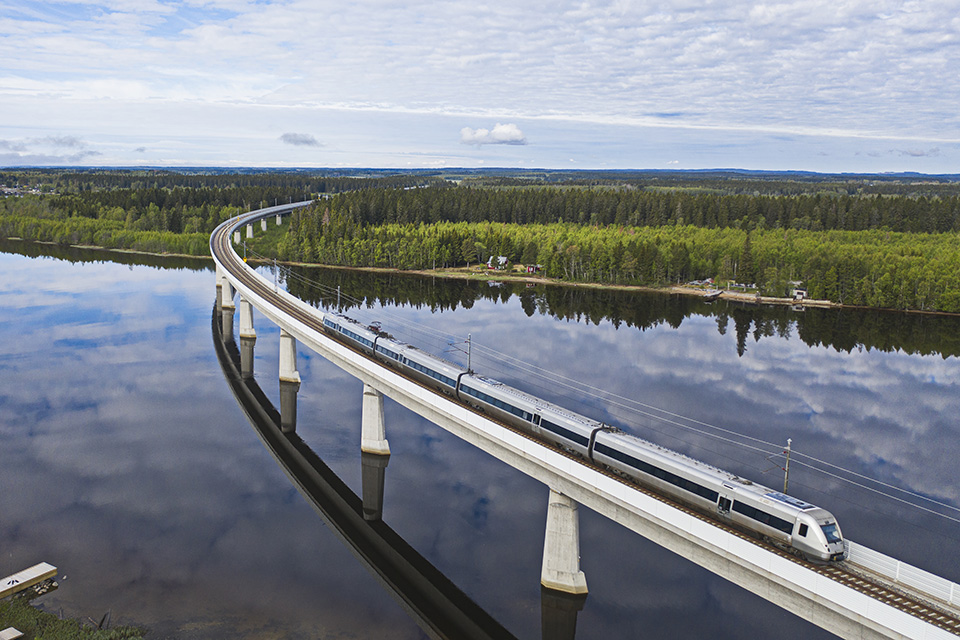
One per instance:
(869,596)
(437,605)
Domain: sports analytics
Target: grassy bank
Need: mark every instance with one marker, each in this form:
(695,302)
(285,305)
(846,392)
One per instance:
(39,625)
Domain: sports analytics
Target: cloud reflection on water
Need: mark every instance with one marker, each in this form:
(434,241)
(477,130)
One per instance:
(126,462)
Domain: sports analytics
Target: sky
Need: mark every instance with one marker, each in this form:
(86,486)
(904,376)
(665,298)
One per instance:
(838,86)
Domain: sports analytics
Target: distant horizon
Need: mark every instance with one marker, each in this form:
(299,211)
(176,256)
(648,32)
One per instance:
(489,170)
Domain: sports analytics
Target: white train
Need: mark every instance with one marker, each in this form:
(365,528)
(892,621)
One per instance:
(803,528)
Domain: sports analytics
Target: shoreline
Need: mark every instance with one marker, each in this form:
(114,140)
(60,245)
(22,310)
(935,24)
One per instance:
(470,273)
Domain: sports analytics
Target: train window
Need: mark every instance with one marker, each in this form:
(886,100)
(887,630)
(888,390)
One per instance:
(763,517)
(450,382)
(388,352)
(657,472)
(830,530)
(357,337)
(479,395)
(802,531)
(566,433)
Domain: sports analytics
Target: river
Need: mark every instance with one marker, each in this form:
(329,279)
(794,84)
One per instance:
(126,461)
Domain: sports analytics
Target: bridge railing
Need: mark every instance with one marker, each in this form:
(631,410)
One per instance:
(902,573)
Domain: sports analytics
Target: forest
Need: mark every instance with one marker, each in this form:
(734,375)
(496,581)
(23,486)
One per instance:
(866,241)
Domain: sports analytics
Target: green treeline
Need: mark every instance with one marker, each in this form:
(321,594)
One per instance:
(280,184)
(159,212)
(872,268)
(172,202)
(883,243)
(627,206)
(103,233)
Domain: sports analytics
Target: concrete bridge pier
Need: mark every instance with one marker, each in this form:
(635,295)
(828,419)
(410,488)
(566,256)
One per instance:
(289,382)
(246,356)
(219,296)
(561,547)
(248,338)
(263,224)
(246,320)
(558,614)
(288,406)
(278,219)
(373,473)
(288,358)
(226,322)
(249,231)
(373,437)
(226,294)
(236,237)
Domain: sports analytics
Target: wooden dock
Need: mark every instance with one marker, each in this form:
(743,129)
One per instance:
(26,579)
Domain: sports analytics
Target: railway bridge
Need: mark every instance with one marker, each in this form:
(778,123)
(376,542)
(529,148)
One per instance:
(870,595)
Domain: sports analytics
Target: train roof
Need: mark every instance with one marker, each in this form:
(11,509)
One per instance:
(732,480)
(539,403)
(420,354)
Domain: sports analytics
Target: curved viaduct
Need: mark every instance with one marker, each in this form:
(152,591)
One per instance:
(868,596)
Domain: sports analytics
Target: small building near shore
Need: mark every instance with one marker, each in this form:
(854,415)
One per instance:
(499,263)
(798,291)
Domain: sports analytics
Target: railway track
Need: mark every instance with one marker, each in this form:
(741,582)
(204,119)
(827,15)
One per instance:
(939,615)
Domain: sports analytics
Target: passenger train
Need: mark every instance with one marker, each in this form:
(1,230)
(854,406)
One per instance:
(797,526)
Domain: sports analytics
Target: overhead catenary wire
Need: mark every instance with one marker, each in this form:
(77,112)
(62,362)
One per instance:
(863,486)
(633,406)
(609,394)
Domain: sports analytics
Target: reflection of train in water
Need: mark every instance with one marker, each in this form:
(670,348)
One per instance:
(805,529)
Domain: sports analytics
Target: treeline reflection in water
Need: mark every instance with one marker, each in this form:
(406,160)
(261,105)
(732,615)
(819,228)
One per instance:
(76,255)
(839,329)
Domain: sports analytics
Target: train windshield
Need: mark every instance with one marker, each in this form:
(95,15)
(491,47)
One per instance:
(830,530)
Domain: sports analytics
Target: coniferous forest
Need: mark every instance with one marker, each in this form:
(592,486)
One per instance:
(880,241)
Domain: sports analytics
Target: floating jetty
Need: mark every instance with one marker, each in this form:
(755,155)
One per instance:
(27,578)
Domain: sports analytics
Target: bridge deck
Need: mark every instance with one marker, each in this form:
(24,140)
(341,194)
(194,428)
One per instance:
(852,602)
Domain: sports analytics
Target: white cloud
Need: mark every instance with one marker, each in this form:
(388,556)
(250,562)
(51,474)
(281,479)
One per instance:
(72,142)
(300,140)
(47,150)
(919,153)
(500,134)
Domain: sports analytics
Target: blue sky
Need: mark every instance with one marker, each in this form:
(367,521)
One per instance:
(796,85)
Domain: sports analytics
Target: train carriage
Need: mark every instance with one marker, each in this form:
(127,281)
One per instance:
(432,371)
(690,481)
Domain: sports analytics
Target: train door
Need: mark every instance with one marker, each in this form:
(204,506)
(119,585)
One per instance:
(723,505)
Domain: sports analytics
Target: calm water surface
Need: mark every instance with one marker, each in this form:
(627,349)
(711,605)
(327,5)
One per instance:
(126,461)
